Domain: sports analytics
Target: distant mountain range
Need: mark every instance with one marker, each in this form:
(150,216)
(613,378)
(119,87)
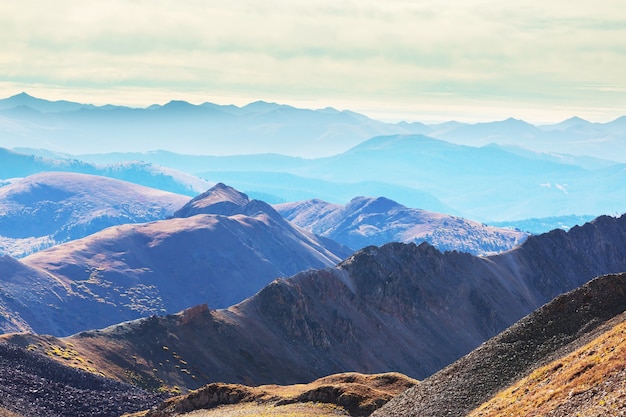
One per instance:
(218,249)
(488,184)
(208,128)
(262,127)
(404,307)
(500,171)
(47,209)
(368,221)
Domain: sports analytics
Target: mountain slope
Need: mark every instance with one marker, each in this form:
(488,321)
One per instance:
(375,221)
(56,207)
(130,271)
(18,165)
(399,307)
(36,386)
(546,336)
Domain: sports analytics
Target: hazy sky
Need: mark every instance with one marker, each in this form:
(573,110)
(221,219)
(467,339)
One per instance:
(425,60)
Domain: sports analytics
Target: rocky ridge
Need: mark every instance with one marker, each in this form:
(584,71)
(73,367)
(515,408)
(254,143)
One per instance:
(397,307)
(131,271)
(553,331)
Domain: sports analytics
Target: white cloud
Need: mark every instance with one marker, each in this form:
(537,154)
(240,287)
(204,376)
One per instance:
(473,56)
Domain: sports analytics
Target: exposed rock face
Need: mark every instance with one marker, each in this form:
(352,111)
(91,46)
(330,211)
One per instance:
(552,331)
(55,207)
(35,386)
(375,221)
(399,307)
(132,271)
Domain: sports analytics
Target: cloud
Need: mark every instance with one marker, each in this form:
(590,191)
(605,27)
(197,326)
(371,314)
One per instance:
(533,53)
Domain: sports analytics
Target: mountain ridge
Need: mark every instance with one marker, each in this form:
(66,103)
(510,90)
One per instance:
(400,307)
(130,271)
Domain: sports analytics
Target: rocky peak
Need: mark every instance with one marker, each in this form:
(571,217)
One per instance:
(219,199)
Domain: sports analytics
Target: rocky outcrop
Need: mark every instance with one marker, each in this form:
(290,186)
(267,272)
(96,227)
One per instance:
(554,330)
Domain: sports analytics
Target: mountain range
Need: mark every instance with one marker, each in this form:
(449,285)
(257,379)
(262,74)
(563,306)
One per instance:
(400,307)
(504,171)
(259,127)
(46,209)
(488,184)
(368,221)
(218,249)
(262,127)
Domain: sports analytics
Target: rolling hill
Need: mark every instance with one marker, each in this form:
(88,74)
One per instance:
(130,271)
(375,221)
(50,208)
(18,165)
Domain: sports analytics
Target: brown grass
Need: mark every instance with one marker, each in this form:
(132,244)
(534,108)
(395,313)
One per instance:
(6,413)
(349,393)
(589,382)
(270,410)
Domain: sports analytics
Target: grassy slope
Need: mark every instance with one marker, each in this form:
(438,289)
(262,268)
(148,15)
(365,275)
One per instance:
(590,381)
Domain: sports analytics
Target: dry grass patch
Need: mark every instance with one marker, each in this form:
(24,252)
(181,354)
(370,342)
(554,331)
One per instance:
(270,410)
(348,393)
(590,381)
(6,413)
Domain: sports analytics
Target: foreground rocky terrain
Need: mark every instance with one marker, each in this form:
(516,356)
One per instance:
(566,357)
(33,385)
(400,307)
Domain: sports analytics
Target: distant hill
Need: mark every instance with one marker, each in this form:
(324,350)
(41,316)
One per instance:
(367,221)
(18,165)
(575,136)
(398,307)
(135,270)
(564,358)
(55,207)
(489,183)
(492,183)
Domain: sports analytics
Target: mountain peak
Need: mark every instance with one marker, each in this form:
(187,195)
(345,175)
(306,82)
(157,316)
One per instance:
(219,199)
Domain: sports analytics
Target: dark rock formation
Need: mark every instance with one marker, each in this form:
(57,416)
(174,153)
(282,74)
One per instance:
(554,330)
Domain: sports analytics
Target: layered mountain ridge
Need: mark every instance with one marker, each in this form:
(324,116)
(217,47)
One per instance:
(400,307)
(131,271)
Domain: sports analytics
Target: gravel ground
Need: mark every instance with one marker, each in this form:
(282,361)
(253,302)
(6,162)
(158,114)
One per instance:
(35,386)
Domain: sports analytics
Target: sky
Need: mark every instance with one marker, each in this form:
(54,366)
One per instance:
(418,60)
